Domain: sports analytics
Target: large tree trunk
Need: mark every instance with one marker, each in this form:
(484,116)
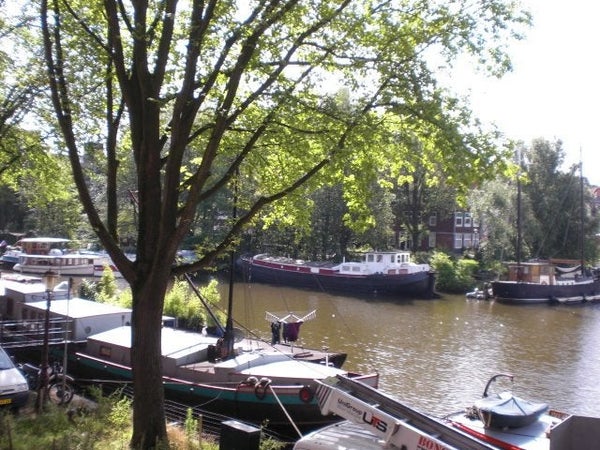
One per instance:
(149,424)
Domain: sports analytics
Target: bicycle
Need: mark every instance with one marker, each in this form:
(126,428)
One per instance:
(61,388)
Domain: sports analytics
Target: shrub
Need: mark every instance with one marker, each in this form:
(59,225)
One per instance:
(453,276)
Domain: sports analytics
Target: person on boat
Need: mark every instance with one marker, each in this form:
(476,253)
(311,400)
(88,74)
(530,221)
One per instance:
(275,333)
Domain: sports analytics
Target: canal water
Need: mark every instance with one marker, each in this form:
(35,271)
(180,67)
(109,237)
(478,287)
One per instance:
(437,355)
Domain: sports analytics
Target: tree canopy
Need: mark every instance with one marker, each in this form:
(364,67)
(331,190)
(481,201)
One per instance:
(189,101)
(547,188)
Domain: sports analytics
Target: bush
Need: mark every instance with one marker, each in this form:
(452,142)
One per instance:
(453,276)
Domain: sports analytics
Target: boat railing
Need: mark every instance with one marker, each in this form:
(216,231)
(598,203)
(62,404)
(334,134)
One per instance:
(30,333)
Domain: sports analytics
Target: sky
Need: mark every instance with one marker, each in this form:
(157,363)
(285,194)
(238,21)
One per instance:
(553,91)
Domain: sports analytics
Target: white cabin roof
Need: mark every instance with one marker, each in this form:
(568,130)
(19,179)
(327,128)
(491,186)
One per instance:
(77,308)
(174,342)
(49,240)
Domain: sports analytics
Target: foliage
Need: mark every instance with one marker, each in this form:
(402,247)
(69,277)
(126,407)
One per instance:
(107,285)
(545,189)
(86,428)
(29,167)
(549,190)
(88,289)
(125,298)
(190,424)
(104,290)
(228,100)
(493,203)
(120,414)
(452,275)
(182,303)
(104,424)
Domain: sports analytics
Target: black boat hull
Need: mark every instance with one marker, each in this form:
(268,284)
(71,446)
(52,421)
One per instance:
(415,285)
(522,292)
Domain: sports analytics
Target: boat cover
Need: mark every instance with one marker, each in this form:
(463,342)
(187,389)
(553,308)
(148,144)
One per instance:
(507,411)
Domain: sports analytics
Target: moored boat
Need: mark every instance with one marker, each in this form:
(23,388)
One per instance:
(507,421)
(376,421)
(256,383)
(379,273)
(10,257)
(546,282)
(41,254)
(480,294)
(504,410)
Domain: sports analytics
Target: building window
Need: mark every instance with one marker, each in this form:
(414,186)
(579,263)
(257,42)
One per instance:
(458,240)
(475,222)
(431,240)
(467,222)
(433,219)
(458,219)
(467,240)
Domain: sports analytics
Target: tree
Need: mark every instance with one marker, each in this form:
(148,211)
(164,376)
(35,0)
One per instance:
(219,94)
(550,189)
(545,190)
(38,192)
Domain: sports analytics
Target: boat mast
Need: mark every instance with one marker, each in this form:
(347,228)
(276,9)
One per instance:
(581,216)
(228,338)
(519,224)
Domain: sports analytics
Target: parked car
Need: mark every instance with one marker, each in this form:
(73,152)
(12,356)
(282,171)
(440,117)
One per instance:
(14,390)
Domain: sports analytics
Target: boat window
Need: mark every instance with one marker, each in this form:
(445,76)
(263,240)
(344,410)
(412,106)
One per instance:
(370,258)
(379,258)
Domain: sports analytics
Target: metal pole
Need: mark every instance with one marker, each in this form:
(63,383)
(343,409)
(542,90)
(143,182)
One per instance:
(43,380)
(49,280)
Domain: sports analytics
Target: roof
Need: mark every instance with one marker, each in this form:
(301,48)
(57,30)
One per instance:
(77,308)
(45,239)
(174,342)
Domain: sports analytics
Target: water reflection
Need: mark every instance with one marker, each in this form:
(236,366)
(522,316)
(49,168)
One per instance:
(436,355)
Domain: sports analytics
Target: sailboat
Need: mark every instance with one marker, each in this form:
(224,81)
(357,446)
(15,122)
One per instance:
(547,281)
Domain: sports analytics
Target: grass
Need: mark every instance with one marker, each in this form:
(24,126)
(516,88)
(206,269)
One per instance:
(104,424)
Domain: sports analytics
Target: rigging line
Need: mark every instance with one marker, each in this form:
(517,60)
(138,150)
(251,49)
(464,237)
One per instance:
(203,300)
(252,335)
(285,410)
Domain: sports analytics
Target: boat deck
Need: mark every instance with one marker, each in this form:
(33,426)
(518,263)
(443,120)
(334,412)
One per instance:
(299,353)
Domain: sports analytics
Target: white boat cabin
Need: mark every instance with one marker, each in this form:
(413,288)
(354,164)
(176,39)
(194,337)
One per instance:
(43,245)
(388,263)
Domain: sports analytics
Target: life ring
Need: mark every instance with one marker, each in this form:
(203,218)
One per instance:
(306,394)
(260,390)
